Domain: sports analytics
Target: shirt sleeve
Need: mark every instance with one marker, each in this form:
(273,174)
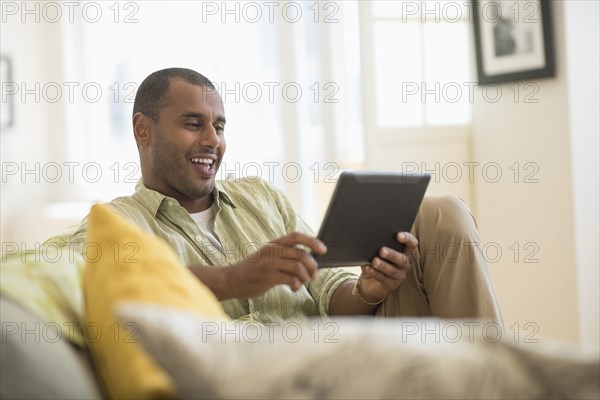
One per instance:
(329,279)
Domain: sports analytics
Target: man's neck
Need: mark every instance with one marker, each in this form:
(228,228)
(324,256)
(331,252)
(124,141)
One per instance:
(197,205)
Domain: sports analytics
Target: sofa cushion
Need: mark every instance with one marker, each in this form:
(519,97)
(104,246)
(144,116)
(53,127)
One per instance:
(47,281)
(126,264)
(358,358)
(37,362)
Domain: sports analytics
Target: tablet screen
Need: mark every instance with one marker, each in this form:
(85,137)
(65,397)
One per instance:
(366,211)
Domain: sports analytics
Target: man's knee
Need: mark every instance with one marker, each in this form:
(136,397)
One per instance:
(446,213)
(447,205)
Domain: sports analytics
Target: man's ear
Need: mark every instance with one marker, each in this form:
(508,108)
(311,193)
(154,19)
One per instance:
(142,129)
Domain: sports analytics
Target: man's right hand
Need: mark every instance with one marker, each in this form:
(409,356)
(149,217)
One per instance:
(278,262)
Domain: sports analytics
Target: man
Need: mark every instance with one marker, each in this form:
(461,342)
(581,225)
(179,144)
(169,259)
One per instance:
(240,237)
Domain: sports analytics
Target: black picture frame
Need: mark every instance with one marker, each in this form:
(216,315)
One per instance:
(513,40)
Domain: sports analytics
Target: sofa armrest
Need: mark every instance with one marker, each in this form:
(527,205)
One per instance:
(36,362)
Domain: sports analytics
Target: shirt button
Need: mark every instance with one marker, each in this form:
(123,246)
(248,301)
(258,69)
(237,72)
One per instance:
(198,238)
(170,203)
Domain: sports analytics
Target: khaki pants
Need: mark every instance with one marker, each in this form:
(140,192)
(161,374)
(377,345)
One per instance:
(450,277)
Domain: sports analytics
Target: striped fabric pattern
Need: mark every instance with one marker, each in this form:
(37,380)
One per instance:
(249,213)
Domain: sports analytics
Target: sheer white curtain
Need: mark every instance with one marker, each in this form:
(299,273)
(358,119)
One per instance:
(291,78)
(288,73)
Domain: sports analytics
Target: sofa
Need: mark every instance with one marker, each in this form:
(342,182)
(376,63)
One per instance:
(105,328)
(36,362)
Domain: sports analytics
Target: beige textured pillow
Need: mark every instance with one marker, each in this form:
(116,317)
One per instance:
(353,359)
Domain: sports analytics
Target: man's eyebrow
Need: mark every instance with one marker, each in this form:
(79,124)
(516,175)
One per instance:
(220,118)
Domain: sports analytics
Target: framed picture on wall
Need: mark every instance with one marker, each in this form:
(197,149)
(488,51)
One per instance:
(513,40)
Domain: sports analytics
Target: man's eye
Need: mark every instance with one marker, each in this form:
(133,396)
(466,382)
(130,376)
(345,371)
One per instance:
(220,129)
(193,124)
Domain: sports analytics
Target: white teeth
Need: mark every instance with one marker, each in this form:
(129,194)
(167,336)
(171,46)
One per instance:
(202,160)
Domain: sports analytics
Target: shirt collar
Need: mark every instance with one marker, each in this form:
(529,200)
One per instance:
(220,194)
(152,200)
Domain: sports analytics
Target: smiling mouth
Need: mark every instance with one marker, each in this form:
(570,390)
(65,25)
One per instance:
(197,160)
(204,166)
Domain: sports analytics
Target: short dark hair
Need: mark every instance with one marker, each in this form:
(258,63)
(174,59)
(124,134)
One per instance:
(150,96)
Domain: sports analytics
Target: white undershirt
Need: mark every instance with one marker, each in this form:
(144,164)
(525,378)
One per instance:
(206,222)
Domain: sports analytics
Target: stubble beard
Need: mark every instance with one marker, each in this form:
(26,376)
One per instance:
(174,171)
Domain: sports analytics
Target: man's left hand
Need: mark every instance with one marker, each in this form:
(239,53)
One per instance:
(387,271)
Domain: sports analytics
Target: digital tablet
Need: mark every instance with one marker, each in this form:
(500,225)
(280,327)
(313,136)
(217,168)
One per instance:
(366,211)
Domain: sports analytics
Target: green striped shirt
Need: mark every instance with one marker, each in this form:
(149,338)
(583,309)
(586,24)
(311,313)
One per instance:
(249,213)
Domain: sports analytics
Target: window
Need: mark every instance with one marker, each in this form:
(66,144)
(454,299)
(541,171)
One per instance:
(420,62)
(417,88)
(289,76)
(307,94)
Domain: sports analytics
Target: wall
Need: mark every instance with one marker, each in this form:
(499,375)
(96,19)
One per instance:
(38,135)
(581,18)
(534,217)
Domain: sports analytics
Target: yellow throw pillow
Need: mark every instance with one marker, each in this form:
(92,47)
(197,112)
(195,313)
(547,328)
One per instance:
(126,264)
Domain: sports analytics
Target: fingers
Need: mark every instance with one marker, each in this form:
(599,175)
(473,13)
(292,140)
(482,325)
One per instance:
(300,263)
(386,282)
(284,256)
(297,263)
(282,261)
(394,257)
(383,269)
(410,242)
(292,281)
(390,265)
(300,238)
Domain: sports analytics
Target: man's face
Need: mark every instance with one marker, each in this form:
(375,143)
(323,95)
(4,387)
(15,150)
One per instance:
(187,145)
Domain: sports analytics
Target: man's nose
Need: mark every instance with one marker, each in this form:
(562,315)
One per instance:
(210,137)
